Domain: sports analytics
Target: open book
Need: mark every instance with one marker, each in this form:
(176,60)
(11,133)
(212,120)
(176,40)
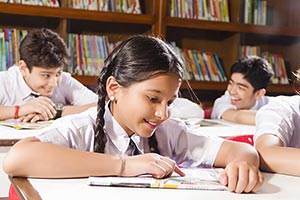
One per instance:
(25,125)
(195,179)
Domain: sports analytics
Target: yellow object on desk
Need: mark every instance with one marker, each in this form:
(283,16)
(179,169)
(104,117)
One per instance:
(25,125)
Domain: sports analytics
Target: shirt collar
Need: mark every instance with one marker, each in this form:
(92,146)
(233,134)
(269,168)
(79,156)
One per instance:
(118,135)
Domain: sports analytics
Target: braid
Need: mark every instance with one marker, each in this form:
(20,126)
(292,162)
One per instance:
(100,138)
(153,144)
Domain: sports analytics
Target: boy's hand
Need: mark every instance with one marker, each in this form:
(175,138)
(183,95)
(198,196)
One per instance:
(42,106)
(32,118)
(241,177)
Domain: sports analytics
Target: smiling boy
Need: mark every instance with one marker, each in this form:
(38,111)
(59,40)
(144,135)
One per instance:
(245,92)
(30,91)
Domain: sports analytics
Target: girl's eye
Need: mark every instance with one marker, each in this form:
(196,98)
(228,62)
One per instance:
(153,99)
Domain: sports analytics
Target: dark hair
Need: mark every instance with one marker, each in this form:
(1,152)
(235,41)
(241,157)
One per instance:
(134,60)
(43,48)
(256,70)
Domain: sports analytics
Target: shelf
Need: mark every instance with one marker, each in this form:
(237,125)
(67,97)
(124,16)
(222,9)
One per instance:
(232,27)
(70,13)
(87,80)
(201,85)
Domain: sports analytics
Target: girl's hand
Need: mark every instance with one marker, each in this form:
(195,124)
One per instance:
(151,163)
(241,177)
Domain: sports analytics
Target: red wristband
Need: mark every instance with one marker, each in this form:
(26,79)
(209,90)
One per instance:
(16,112)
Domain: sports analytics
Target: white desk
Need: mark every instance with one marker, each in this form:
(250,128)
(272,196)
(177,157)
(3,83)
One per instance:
(8,137)
(276,186)
(224,129)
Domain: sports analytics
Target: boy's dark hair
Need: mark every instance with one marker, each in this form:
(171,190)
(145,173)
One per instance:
(256,70)
(43,48)
(134,60)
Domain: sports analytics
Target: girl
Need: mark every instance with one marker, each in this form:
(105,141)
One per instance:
(139,81)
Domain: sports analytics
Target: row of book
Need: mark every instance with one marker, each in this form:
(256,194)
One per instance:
(124,6)
(255,12)
(9,44)
(214,10)
(88,53)
(280,69)
(201,66)
(50,3)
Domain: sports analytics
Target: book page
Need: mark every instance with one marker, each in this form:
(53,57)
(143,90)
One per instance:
(195,179)
(25,125)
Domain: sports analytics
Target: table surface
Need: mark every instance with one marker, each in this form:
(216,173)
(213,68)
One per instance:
(276,186)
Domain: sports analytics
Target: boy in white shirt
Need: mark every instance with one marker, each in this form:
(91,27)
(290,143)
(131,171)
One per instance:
(245,92)
(38,89)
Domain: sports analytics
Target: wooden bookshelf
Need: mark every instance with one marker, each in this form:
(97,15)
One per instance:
(281,35)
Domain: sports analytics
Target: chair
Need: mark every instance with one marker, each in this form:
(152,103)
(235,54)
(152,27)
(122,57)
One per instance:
(242,138)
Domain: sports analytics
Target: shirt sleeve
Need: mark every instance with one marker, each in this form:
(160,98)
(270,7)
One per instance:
(187,148)
(73,131)
(221,105)
(76,93)
(277,117)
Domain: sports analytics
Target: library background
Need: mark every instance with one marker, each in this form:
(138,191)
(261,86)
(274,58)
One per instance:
(210,35)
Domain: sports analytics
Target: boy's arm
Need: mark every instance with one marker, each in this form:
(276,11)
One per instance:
(275,157)
(7,112)
(241,164)
(42,106)
(240,116)
(69,110)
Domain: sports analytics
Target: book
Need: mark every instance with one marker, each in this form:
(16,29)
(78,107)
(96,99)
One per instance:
(25,125)
(195,179)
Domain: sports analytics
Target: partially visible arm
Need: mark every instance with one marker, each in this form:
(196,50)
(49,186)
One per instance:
(42,106)
(275,157)
(69,110)
(241,164)
(240,116)
(7,112)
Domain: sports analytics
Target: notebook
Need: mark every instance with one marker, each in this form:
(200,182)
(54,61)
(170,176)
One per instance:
(195,179)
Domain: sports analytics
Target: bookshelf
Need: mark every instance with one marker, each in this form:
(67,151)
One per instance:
(281,35)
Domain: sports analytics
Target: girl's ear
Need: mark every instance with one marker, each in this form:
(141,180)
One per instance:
(23,68)
(112,87)
(260,93)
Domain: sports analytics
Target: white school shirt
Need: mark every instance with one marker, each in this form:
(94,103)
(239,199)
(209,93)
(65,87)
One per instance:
(223,103)
(15,91)
(173,138)
(281,117)
(184,108)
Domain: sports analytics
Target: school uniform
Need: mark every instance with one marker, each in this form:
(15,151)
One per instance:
(280,117)
(15,91)
(223,103)
(173,138)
